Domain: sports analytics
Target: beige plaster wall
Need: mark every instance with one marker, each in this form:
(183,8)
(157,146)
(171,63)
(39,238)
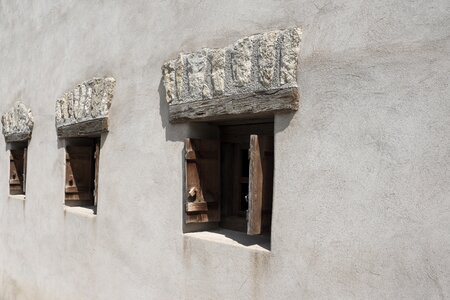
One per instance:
(362,180)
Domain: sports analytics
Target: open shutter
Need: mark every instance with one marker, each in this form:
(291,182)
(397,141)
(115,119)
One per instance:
(255,187)
(16,172)
(97,160)
(24,170)
(79,175)
(202,186)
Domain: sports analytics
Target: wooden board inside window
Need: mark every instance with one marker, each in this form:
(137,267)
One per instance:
(246,167)
(81,172)
(17,171)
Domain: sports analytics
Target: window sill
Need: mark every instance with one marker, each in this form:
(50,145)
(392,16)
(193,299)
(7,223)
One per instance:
(81,211)
(17,197)
(233,238)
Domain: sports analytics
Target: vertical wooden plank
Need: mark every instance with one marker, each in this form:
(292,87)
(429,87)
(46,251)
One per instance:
(24,170)
(195,200)
(97,163)
(255,187)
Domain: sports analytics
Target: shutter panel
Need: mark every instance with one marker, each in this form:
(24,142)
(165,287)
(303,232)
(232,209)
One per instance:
(24,170)
(97,160)
(255,187)
(202,185)
(16,172)
(79,175)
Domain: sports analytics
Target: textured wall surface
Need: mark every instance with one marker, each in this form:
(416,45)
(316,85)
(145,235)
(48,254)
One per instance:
(361,189)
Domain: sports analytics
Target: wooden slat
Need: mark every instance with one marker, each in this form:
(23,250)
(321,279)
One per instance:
(97,163)
(24,170)
(255,195)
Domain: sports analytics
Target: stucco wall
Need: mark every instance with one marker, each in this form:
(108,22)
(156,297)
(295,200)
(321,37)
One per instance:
(362,172)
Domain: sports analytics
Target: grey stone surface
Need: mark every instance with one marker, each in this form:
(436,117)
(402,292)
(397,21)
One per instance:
(217,62)
(251,64)
(17,123)
(88,101)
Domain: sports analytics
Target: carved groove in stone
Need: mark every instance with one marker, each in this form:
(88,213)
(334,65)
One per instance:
(86,106)
(217,61)
(261,63)
(241,61)
(17,123)
(289,51)
(267,58)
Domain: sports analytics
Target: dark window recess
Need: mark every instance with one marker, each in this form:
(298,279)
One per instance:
(17,168)
(230,180)
(82,157)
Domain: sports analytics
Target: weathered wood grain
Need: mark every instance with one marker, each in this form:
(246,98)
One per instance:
(17,137)
(89,128)
(254,104)
(255,187)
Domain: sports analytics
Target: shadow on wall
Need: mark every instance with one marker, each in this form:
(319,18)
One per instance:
(178,132)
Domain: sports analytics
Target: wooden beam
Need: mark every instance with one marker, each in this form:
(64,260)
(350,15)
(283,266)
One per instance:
(18,137)
(89,128)
(254,104)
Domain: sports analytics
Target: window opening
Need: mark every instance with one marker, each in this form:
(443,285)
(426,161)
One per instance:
(17,168)
(230,180)
(82,164)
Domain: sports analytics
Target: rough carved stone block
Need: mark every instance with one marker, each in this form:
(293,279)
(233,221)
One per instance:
(259,66)
(17,123)
(83,111)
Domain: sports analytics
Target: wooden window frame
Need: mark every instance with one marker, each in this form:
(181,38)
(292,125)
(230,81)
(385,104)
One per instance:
(82,156)
(18,168)
(236,141)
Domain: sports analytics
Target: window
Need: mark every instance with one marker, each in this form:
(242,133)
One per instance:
(229,181)
(17,168)
(82,162)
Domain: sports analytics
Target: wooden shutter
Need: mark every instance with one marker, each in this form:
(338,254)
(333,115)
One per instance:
(97,161)
(80,171)
(24,170)
(202,180)
(260,187)
(16,172)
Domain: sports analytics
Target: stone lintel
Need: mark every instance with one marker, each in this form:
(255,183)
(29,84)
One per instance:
(214,83)
(17,123)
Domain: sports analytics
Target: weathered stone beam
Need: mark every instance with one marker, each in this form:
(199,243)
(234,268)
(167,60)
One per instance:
(254,65)
(252,104)
(17,123)
(84,110)
(89,128)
